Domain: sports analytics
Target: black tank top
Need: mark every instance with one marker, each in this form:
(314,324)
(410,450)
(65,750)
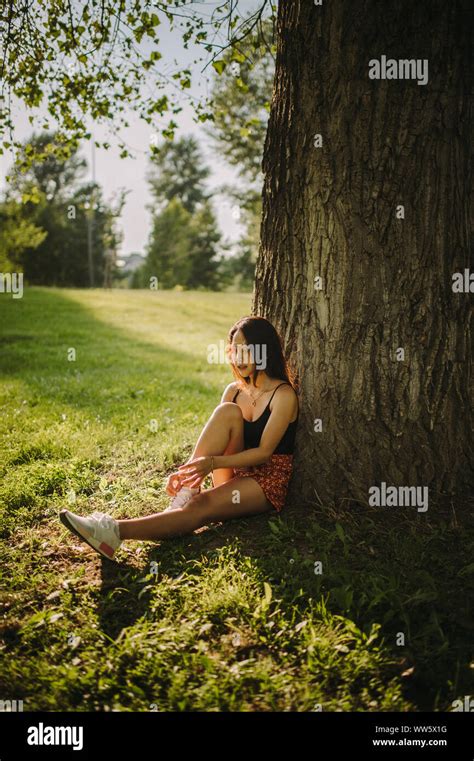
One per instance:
(253,429)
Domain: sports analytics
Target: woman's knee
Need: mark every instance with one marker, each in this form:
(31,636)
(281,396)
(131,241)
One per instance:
(198,502)
(197,508)
(229,410)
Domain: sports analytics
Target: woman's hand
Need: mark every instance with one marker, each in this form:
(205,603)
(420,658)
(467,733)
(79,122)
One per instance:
(173,484)
(194,472)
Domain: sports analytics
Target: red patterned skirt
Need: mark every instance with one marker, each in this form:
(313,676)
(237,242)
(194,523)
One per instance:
(273,477)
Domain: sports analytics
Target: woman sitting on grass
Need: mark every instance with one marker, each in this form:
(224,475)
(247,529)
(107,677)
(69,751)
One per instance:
(247,445)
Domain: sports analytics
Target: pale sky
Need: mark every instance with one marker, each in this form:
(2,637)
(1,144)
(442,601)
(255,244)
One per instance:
(113,173)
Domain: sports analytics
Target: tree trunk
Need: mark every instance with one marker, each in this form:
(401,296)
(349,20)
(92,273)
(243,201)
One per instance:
(387,282)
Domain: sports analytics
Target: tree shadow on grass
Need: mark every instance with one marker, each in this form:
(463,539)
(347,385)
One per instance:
(436,625)
(123,600)
(170,556)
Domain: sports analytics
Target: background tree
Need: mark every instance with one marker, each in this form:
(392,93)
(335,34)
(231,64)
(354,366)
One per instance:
(55,209)
(204,250)
(16,235)
(183,249)
(50,175)
(240,107)
(168,248)
(185,242)
(331,212)
(178,171)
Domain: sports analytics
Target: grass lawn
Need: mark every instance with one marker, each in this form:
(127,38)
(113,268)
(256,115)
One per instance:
(233,617)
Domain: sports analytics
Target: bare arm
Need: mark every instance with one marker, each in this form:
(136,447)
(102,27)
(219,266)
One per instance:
(229,392)
(284,406)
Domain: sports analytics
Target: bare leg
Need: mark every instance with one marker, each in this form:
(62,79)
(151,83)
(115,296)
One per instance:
(236,498)
(222,434)
(224,427)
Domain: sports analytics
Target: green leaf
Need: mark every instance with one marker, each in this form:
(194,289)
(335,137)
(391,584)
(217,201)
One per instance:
(242,85)
(219,66)
(236,56)
(268,592)
(468,569)
(340,533)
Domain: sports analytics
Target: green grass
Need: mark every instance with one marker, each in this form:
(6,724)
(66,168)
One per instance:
(233,617)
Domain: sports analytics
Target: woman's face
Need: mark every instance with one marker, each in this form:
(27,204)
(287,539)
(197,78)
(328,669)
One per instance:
(242,355)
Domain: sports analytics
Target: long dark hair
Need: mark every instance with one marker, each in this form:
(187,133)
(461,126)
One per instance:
(259,331)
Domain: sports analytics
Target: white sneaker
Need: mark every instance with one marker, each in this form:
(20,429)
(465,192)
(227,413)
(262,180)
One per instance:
(99,530)
(182,498)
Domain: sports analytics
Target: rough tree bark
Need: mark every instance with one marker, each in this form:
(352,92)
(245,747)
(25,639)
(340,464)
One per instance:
(386,282)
